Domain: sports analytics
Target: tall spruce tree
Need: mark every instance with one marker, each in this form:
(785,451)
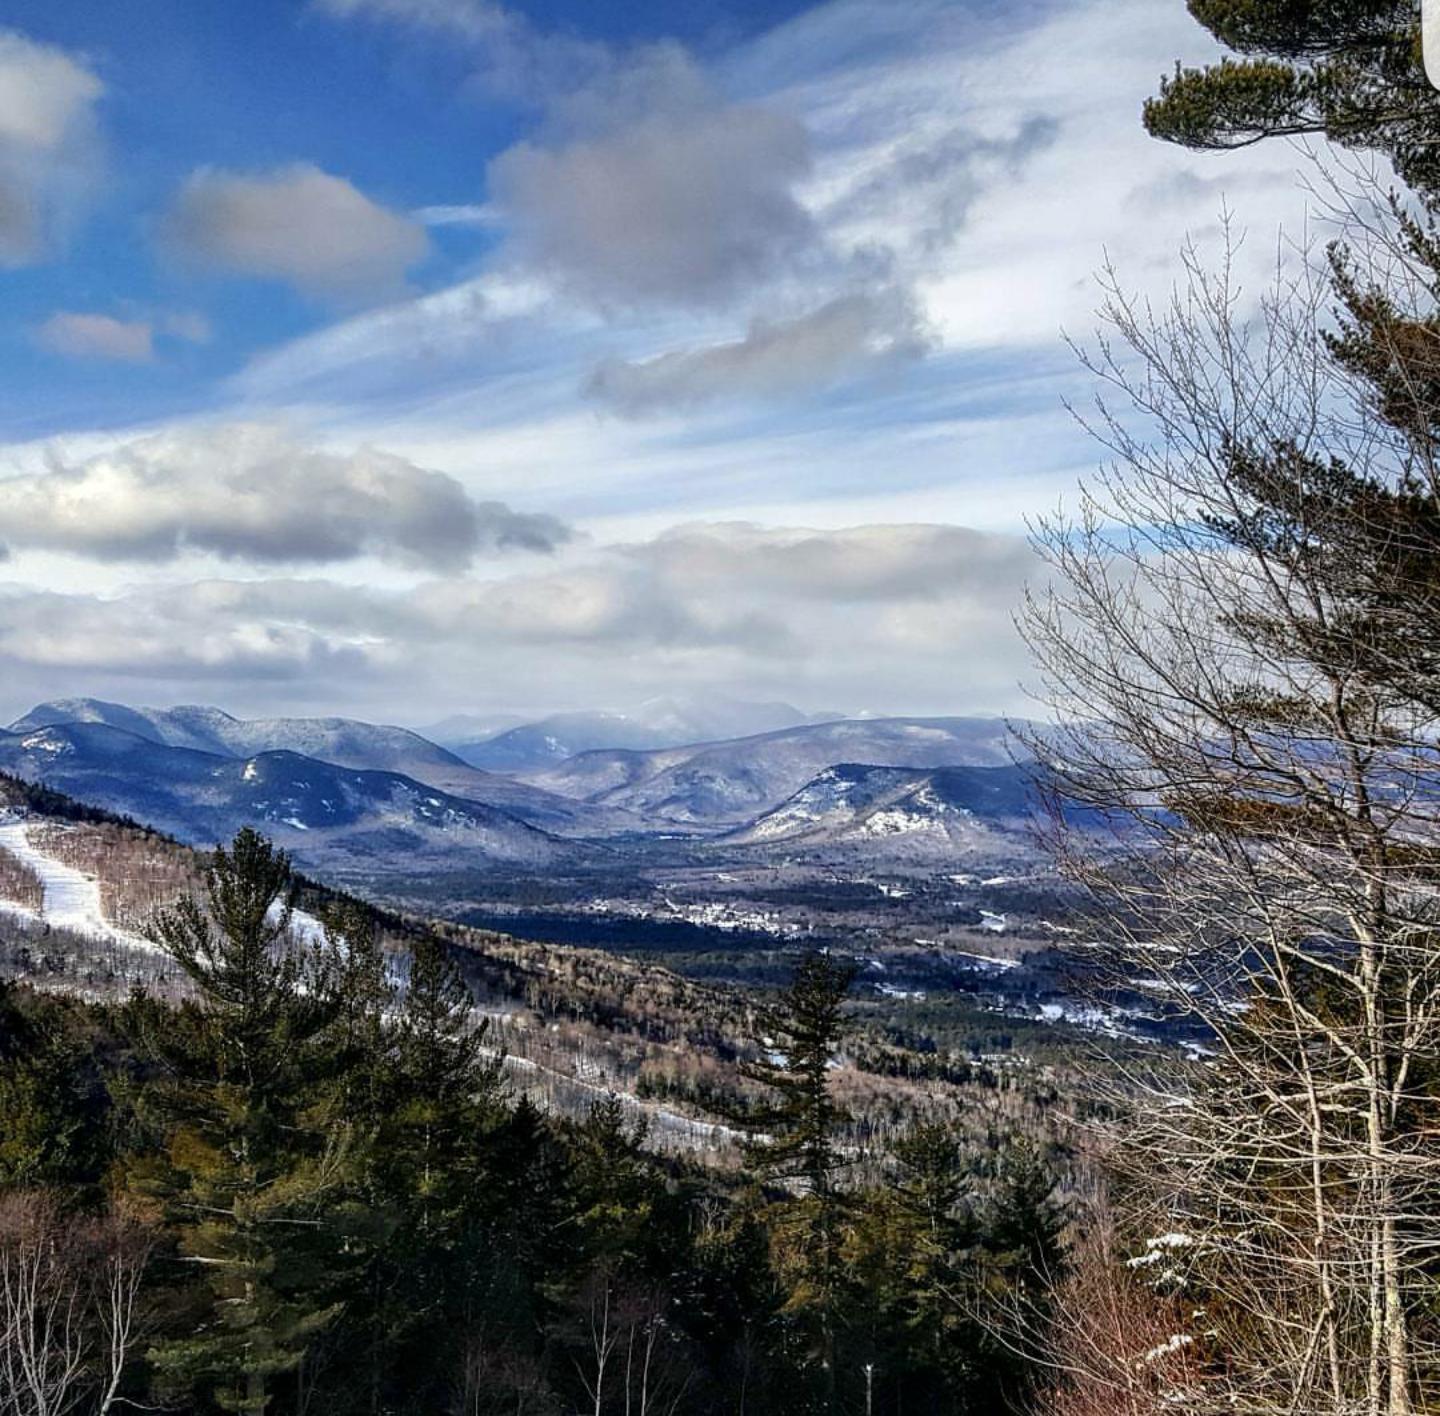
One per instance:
(431,1190)
(447,1084)
(800,1039)
(795,1136)
(250,1150)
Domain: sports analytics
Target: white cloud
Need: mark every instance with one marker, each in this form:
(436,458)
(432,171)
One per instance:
(982,160)
(972,164)
(849,565)
(48,144)
(86,336)
(657,191)
(297,224)
(257,494)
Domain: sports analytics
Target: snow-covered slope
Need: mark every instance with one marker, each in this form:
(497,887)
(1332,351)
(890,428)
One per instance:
(71,898)
(938,810)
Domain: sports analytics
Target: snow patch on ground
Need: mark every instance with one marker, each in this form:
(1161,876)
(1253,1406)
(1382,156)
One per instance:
(71,899)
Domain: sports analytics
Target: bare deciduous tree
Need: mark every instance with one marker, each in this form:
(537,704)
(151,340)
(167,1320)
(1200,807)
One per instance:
(1239,643)
(69,1306)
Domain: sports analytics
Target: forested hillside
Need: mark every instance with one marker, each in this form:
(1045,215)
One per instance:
(291,1170)
(119,1049)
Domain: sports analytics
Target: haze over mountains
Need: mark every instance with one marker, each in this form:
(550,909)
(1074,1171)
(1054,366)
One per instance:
(659,722)
(336,789)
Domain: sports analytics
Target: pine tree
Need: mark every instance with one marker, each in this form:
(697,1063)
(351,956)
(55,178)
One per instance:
(1025,1222)
(1350,70)
(795,1136)
(250,1152)
(446,1084)
(360,1034)
(937,1227)
(796,1131)
(431,1195)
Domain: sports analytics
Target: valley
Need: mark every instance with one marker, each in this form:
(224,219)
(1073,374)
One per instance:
(909,845)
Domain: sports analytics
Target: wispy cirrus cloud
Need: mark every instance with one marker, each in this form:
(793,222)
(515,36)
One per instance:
(774,357)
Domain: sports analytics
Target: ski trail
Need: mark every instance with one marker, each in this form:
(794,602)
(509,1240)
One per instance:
(71,898)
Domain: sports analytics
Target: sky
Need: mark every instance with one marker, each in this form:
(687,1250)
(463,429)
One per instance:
(409,358)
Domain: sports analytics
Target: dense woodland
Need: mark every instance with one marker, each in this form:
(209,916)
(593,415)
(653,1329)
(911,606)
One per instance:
(306,1186)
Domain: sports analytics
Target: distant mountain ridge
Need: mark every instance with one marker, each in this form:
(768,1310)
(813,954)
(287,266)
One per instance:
(338,787)
(857,804)
(660,723)
(709,785)
(317,809)
(343,742)
(206,729)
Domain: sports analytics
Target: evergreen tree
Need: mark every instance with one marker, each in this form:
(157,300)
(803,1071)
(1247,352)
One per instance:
(1350,70)
(796,1131)
(447,1085)
(915,1265)
(614,1184)
(360,1035)
(50,1126)
(937,1229)
(439,1092)
(1025,1223)
(250,1152)
(794,1136)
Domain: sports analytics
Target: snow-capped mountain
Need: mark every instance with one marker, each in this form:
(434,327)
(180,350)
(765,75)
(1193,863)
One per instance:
(346,742)
(922,811)
(659,723)
(340,783)
(729,783)
(343,742)
(319,810)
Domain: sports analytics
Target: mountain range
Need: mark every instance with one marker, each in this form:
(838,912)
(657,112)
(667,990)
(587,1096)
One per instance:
(342,742)
(373,796)
(316,808)
(720,784)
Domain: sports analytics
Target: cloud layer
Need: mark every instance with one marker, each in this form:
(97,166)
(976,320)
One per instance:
(256,494)
(297,224)
(888,618)
(821,273)
(671,197)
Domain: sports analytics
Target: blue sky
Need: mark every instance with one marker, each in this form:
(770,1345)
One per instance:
(405,357)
